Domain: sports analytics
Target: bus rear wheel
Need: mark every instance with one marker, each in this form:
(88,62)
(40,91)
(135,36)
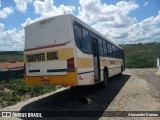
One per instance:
(105,77)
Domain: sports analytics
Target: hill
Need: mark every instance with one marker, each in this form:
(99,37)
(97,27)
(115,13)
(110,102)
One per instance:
(141,55)
(6,56)
(136,55)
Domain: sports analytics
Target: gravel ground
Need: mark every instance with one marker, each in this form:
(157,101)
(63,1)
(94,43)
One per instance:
(136,90)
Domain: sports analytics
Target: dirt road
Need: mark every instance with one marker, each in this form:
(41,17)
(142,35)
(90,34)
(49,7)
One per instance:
(136,90)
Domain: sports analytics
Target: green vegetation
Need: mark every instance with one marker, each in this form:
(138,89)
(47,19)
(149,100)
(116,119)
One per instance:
(136,55)
(141,55)
(6,58)
(11,55)
(16,90)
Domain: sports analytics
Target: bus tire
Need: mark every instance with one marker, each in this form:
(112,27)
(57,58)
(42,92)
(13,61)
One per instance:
(105,77)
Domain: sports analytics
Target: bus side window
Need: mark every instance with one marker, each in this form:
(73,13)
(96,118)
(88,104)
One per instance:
(107,45)
(122,55)
(78,36)
(85,40)
(110,49)
(100,47)
(104,47)
(116,51)
(82,39)
(119,51)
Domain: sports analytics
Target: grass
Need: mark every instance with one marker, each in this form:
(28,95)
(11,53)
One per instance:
(141,56)
(7,57)
(16,90)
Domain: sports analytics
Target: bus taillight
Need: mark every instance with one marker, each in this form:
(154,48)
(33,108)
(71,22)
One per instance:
(70,65)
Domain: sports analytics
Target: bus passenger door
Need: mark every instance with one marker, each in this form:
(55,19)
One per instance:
(96,60)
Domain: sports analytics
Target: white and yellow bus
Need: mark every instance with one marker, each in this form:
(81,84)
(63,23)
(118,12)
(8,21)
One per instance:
(63,50)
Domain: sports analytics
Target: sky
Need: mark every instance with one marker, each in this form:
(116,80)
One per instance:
(123,22)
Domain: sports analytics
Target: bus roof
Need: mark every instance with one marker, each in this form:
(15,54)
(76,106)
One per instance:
(80,22)
(45,20)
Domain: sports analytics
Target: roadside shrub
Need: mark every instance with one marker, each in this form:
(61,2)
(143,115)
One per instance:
(141,56)
(18,90)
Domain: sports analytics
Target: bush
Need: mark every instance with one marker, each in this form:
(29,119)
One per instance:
(18,90)
(141,56)
(137,61)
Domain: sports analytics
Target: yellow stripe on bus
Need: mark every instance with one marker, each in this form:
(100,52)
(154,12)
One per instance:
(85,62)
(88,62)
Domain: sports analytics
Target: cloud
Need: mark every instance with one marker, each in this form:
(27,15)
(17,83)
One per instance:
(11,39)
(29,21)
(156,20)
(5,12)
(114,22)
(21,5)
(145,3)
(145,31)
(1,27)
(47,8)
(116,15)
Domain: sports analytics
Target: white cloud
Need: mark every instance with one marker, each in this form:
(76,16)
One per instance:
(29,21)
(5,12)
(145,31)
(114,21)
(1,27)
(47,8)
(145,3)
(156,20)
(21,5)
(11,39)
(114,15)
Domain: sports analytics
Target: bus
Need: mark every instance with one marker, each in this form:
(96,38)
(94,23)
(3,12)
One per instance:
(63,50)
